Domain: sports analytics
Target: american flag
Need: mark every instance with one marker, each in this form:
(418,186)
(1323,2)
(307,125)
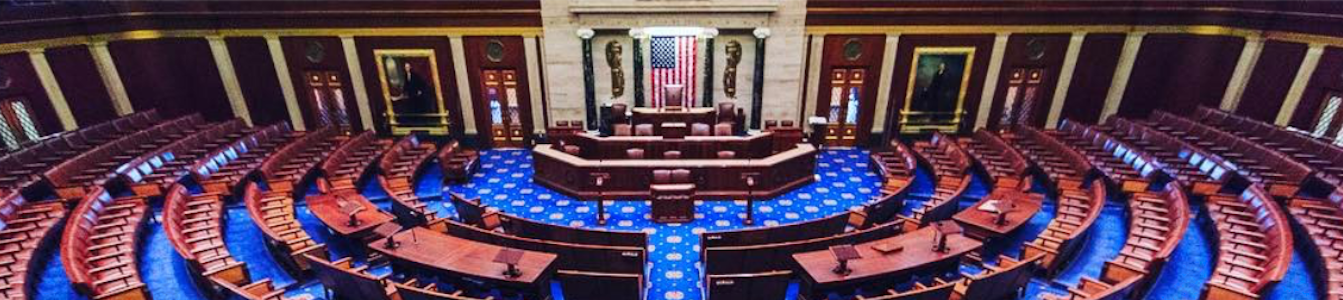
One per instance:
(673,59)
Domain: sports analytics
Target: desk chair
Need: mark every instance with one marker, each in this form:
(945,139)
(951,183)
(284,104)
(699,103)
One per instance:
(674,95)
(635,153)
(621,130)
(671,154)
(643,130)
(700,129)
(723,129)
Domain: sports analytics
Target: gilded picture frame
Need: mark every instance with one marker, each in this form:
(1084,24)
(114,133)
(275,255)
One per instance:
(927,65)
(394,80)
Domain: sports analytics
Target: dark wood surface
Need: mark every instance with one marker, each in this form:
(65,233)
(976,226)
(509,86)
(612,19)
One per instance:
(713,178)
(981,223)
(614,147)
(916,256)
(446,253)
(333,209)
(689,115)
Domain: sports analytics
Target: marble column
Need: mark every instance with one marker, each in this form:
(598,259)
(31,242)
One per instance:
(589,85)
(1065,79)
(638,36)
(1119,83)
(758,82)
(53,88)
(709,35)
(1298,88)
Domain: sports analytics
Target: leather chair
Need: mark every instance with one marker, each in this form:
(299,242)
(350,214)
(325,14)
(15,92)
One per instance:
(635,153)
(573,150)
(621,130)
(722,129)
(619,114)
(662,176)
(770,124)
(671,154)
(727,154)
(786,123)
(726,112)
(643,130)
(674,96)
(680,176)
(700,129)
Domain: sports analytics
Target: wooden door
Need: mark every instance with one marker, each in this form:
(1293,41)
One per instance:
(17,127)
(1023,98)
(846,92)
(500,93)
(326,100)
(1328,122)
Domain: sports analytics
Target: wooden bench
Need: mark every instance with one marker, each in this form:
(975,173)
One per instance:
(1280,175)
(1006,166)
(1322,221)
(150,175)
(1065,167)
(1323,156)
(1066,234)
(1254,242)
(24,168)
(951,165)
(1130,168)
(223,170)
(273,212)
(457,162)
(293,163)
(194,225)
(27,231)
(98,246)
(1202,173)
(73,178)
(348,165)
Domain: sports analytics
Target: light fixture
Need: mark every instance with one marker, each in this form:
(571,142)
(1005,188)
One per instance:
(761,32)
(586,33)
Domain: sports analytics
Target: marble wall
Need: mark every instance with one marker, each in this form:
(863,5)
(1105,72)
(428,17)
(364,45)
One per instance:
(735,20)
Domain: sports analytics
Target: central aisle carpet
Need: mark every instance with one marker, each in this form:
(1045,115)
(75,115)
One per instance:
(504,182)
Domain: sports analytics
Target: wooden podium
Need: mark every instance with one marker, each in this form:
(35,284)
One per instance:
(673,196)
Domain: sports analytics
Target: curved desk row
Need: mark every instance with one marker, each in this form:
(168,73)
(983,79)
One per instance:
(756,146)
(713,178)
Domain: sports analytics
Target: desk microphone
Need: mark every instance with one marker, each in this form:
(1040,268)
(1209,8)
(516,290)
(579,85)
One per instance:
(353,220)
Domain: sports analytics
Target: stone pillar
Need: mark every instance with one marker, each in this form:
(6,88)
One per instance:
(709,35)
(589,86)
(1127,57)
(758,84)
(1065,79)
(638,36)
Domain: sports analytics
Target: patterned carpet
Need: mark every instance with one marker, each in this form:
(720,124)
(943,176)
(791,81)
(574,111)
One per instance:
(843,181)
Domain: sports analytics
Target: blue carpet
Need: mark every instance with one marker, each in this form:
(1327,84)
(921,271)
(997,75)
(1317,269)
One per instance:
(1191,264)
(504,182)
(1106,239)
(1299,283)
(248,245)
(53,284)
(163,270)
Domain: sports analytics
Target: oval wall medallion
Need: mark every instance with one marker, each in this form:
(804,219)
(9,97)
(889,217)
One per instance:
(494,51)
(1035,49)
(315,52)
(853,49)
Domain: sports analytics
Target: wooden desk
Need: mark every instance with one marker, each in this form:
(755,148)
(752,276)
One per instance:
(983,224)
(713,178)
(614,147)
(333,209)
(688,115)
(917,257)
(444,254)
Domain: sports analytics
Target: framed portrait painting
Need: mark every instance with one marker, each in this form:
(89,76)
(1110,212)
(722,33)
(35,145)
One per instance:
(410,90)
(935,97)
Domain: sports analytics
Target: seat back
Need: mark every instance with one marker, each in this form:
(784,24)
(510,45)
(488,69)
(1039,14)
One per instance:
(643,130)
(700,129)
(621,130)
(470,211)
(592,285)
(342,279)
(674,95)
(722,129)
(768,285)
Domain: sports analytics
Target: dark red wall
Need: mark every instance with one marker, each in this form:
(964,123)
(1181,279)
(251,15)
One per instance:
(1328,77)
(1091,78)
(177,76)
(1018,56)
(870,61)
(25,84)
(514,58)
(1179,72)
(296,56)
(904,57)
(1272,76)
(255,70)
(443,53)
(82,84)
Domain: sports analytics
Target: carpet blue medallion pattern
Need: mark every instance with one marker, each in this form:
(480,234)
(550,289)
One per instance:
(504,182)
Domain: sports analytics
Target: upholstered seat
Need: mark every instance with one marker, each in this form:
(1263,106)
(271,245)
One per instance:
(643,130)
(672,154)
(722,129)
(700,129)
(674,97)
(621,130)
(727,154)
(635,153)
